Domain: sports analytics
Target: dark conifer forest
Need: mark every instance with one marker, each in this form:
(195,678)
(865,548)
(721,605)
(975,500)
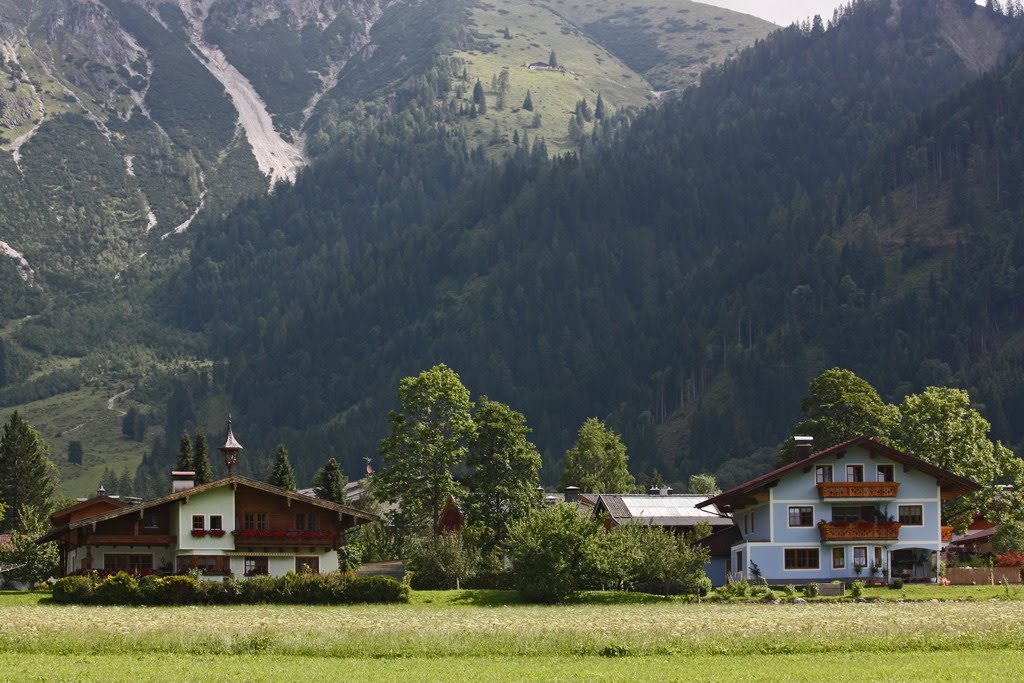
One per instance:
(845,194)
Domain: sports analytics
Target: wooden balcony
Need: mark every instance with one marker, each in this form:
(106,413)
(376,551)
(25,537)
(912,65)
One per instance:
(947,534)
(860,490)
(859,531)
(140,541)
(285,538)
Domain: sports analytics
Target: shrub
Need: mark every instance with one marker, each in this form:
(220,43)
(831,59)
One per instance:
(857,589)
(227,592)
(442,563)
(896,584)
(735,589)
(491,573)
(374,589)
(1012,558)
(260,589)
(789,591)
(170,590)
(119,589)
(551,553)
(73,590)
(811,590)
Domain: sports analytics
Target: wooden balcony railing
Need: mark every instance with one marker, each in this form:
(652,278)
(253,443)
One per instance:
(860,531)
(284,538)
(142,540)
(859,489)
(947,534)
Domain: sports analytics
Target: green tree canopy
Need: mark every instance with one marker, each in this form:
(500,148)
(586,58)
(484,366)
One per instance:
(838,406)
(201,459)
(704,483)
(552,552)
(27,477)
(430,435)
(597,462)
(940,426)
(329,482)
(283,475)
(504,467)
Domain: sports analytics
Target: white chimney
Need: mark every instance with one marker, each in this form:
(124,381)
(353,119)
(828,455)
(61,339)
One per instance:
(182,480)
(804,445)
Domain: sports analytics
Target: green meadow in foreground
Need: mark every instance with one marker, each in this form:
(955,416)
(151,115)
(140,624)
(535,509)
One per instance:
(482,635)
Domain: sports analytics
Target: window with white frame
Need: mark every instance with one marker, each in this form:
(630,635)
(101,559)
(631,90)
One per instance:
(855,473)
(884,473)
(838,558)
(198,522)
(823,474)
(801,515)
(860,556)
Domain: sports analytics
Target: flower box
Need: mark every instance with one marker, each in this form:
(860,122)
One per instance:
(217,533)
(198,533)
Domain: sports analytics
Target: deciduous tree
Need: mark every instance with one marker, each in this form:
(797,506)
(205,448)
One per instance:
(430,435)
(504,465)
(597,462)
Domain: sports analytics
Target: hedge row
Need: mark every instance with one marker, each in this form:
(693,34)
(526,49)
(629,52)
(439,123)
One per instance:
(306,589)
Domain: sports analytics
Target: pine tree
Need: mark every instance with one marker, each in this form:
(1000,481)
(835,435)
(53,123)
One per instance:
(201,459)
(185,461)
(536,123)
(528,102)
(508,34)
(504,80)
(124,484)
(553,60)
(499,101)
(478,92)
(575,129)
(128,422)
(515,137)
(329,482)
(27,477)
(283,475)
(75,456)
(599,108)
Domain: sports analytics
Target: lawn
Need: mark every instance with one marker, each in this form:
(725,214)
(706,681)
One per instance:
(487,635)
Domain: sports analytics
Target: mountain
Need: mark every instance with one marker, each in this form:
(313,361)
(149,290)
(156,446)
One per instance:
(129,126)
(683,276)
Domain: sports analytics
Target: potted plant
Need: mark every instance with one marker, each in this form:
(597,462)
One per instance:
(217,533)
(198,533)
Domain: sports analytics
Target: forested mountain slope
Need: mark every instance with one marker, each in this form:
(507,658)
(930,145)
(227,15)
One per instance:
(126,125)
(682,278)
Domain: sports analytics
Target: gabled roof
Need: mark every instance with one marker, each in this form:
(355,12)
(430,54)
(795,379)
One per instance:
(58,517)
(202,488)
(952,484)
(659,510)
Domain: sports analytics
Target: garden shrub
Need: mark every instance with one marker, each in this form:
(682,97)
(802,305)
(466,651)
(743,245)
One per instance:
(442,563)
(374,589)
(260,589)
(811,590)
(551,553)
(120,589)
(857,589)
(789,591)
(170,590)
(491,573)
(896,584)
(734,589)
(72,590)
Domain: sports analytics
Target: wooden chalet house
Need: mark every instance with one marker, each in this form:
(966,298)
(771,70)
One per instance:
(235,525)
(859,509)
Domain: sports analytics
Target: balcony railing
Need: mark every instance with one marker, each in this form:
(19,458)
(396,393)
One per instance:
(859,489)
(947,534)
(283,538)
(860,531)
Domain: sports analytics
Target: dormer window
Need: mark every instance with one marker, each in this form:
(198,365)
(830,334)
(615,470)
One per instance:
(886,472)
(855,473)
(823,474)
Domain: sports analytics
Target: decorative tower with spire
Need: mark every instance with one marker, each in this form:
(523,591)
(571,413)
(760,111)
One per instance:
(230,449)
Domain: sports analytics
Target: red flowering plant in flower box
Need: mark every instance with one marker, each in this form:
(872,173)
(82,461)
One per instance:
(199,533)
(217,533)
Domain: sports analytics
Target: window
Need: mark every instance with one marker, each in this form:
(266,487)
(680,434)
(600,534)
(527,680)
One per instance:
(216,523)
(748,523)
(150,521)
(254,520)
(257,566)
(123,562)
(198,522)
(739,563)
(311,522)
(207,564)
(823,474)
(801,516)
(886,473)
(911,515)
(838,558)
(878,557)
(855,473)
(309,565)
(860,556)
(300,520)
(802,558)
(845,514)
